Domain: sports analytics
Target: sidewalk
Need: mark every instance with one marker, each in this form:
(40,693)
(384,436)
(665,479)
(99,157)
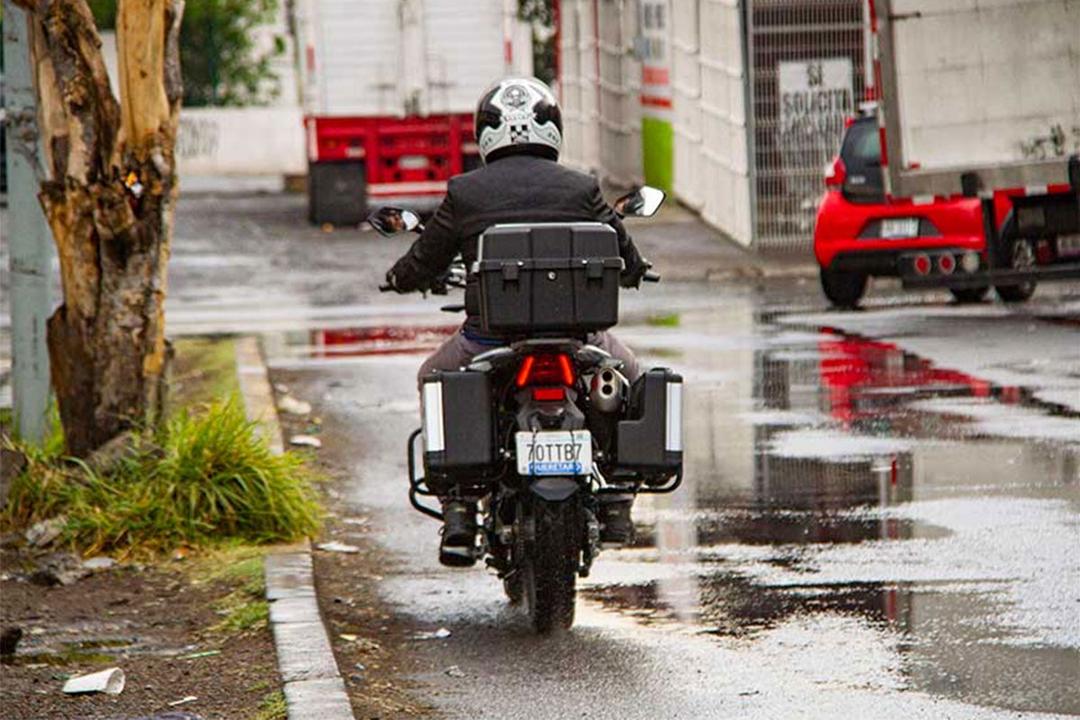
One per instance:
(683,247)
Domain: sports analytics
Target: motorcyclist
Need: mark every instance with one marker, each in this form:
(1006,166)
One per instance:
(519,133)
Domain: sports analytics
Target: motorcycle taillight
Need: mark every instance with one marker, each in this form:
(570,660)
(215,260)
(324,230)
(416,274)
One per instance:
(546,369)
(548,394)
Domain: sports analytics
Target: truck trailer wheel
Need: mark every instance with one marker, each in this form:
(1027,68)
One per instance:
(969,295)
(843,289)
(337,193)
(1021,257)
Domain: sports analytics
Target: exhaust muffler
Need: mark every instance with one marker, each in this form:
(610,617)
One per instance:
(608,390)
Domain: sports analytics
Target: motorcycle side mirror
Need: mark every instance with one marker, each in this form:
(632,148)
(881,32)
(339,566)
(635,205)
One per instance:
(643,202)
(392,220)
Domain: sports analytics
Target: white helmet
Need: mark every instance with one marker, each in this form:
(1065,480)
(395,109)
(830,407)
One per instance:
(519,115)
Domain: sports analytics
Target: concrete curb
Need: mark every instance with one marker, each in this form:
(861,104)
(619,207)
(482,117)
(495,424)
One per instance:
(314,689)
(256,392)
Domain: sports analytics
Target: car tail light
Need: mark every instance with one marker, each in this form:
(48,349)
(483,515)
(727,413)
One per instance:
(922,264)
(546,369)
(946,263)
(549,394)
(835,173)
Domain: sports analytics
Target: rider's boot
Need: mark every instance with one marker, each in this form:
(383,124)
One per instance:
(616,527)
(458,545)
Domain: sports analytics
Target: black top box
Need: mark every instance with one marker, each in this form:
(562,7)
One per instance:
(548,279)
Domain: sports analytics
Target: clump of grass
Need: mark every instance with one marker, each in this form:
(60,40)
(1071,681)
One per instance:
(272,707)
(203,370)
(245,608)
(201,478)
(664,320)
(242,613)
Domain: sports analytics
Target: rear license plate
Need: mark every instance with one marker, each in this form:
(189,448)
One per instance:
(1068,246)
(895,228)
(561,452)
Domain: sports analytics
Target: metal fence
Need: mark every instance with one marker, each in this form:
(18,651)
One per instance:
(760,90)
(807,73)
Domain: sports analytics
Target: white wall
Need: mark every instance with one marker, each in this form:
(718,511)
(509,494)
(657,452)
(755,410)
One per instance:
(241,141)
(602,110)
(601,85)
(579,82)
(262,140)
(686,103)
(725,173)
(620,93)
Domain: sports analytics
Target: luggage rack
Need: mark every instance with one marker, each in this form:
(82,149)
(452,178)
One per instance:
(418,487)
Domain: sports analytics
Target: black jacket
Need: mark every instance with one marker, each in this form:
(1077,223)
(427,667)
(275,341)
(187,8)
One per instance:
(516,188)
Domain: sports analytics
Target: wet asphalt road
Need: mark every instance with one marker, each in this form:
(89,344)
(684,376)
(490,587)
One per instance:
(881,514)
(860,531)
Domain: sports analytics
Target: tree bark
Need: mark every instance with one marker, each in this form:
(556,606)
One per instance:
(109,192)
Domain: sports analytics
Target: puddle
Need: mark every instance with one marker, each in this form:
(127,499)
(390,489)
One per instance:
(61,659)
(80,652)
(337,345)
(945,643)
(836,476)
(351,342)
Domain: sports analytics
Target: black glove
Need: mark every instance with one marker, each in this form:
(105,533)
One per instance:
(632,275)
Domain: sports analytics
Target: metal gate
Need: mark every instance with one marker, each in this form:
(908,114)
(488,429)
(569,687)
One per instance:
(807,73)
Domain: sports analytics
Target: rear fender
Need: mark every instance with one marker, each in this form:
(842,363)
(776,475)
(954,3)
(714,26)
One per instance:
(554,489)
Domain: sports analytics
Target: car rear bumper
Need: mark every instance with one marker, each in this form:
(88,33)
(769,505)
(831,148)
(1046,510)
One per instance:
(837,245)
(885,263)
(883,260)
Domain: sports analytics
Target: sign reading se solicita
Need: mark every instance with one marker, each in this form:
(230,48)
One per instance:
(815,97)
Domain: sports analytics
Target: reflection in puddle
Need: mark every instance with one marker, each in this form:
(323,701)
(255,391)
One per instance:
(376,340)
(328,346)
(947,645)
(818,442)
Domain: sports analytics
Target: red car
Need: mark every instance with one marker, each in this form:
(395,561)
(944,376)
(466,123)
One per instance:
(860,233)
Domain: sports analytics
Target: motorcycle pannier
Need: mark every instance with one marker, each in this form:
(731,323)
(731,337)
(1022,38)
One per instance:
(549,278)
(458,429)
(650,439)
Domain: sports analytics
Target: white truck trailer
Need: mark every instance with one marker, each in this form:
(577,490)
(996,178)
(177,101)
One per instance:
(982,98)
(388,90)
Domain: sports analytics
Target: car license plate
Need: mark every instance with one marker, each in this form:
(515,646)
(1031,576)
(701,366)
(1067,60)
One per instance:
(895,228)
(562,452)
(1069,245)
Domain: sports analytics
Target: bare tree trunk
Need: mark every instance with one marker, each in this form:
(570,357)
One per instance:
(109,193)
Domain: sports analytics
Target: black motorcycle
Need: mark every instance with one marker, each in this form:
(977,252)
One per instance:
(545,434)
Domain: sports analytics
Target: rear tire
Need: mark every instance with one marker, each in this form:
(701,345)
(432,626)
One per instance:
(969,295)
(549,572)
(1018,254)
(843,289)
(514,588)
